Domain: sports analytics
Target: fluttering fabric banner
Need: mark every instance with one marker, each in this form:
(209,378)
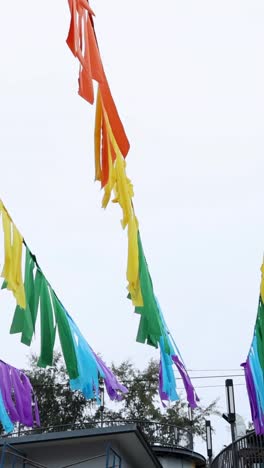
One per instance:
(18,402)
(91,364)
(35,294)
(12,272)
(111,148)
(254,366)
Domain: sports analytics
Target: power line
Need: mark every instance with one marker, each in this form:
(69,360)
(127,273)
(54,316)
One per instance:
(155,380)
(140,380)
(212,386)
(214,370)
(213,376)
(125,382)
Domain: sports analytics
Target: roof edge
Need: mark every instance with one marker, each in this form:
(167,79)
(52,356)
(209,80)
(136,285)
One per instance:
(160,450)
(148,447)
(55,436)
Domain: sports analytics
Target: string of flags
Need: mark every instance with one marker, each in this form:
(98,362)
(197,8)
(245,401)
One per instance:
(35,294)
(111,147)
(254,366)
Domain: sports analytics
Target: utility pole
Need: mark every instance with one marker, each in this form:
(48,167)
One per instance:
(209,444)
(101,393)
(190,415)
(230,417)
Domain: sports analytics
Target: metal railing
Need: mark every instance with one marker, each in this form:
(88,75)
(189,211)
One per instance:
(246,452)
(166,435)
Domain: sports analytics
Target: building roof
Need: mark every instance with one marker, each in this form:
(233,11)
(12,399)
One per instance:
(180,453)
(129,437)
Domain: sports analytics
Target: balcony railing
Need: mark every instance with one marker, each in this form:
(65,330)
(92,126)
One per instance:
(246,452)
(157,434)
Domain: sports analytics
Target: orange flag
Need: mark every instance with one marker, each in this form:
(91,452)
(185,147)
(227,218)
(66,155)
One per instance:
(83,44)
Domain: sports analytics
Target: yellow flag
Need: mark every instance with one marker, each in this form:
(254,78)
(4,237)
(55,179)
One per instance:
(262,282)
(12,270)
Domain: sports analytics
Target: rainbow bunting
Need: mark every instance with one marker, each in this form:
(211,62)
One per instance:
(111,147)
(254,366)
(84,367)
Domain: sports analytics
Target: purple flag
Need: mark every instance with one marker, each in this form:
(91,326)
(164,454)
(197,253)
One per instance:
(18,396)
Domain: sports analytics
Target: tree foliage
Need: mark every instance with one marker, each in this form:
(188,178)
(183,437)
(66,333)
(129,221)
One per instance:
(142,401)
(58,405)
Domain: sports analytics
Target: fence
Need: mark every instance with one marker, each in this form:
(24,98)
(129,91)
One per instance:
(246,452)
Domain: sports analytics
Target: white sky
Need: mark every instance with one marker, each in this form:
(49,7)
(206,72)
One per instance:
(187,77)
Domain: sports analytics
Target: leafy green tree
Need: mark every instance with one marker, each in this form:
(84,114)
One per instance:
(58,405)
(142,402)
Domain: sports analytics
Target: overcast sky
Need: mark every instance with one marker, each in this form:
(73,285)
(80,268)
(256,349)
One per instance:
(188,80)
